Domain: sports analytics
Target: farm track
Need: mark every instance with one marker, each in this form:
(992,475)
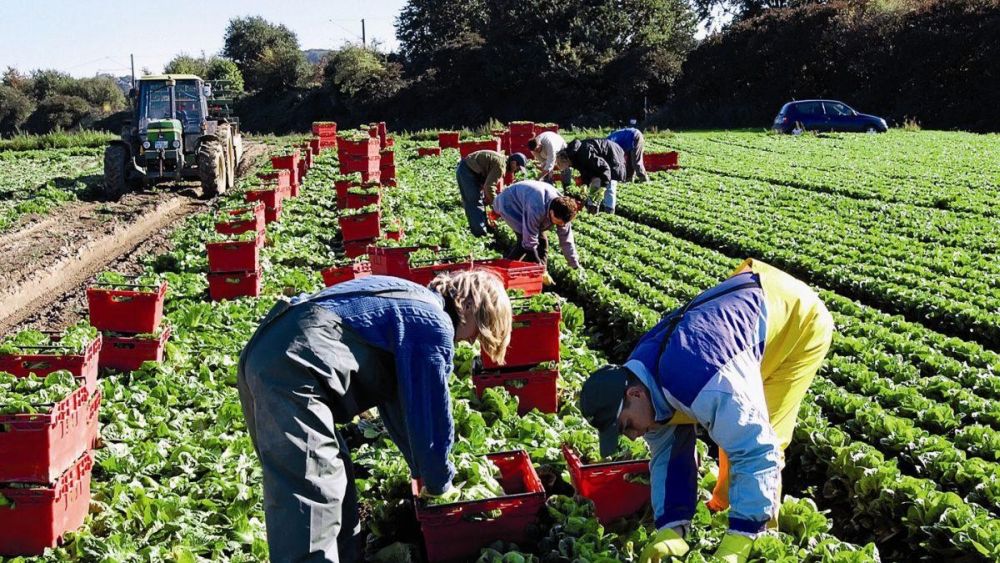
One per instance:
(49,263)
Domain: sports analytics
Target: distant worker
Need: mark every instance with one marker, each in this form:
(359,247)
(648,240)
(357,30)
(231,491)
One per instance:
(737,360)
(530,208)
(322,359)
(633,144)
(544,148)
(601,164)
(478,174)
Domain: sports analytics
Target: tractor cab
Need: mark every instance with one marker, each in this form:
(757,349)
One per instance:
(170,113)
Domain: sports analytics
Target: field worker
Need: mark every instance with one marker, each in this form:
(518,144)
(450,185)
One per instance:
(737,360)
(477,175)
(530,208)
(544,148)
(601,164)
(632,143)
(322,359)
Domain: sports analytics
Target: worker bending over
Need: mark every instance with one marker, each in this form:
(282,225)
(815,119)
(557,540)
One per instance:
(530,208)
(601,164)
(322,359)
(633,145)
(478,174)
(737,360)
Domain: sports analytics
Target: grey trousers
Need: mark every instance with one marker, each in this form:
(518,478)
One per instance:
(293,376)
(635,170)
(470,186)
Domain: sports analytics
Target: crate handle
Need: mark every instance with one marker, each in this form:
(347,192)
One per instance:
(484,516)
(516,383)
(124,345)
(122,298)
(40,364)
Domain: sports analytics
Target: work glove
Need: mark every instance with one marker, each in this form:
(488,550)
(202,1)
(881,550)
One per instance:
(451,494)
(735,548)
(666,543)
(547,279)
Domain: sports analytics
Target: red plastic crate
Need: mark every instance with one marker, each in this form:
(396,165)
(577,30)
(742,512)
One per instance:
(340,274)
(521,129)
(392,261)
(270,197)
(357,248)
(541,129)
(457,531)
(240,226)
(608,485)
(231,285)
(534,339)
(387,158)
(505,144)
(362,164)
(279,177)
(314,145)
(387,172)
(287,162)
(93,419)
(395,234)
(448,139)
(44,360)
(293,190)
(533,389)
(428,151)
(465,148)
(366,148)
(357,201)
(38,448)
(360,227)
(324,128)
(40,517)
(657,161)
(127,353)
(126,310)
(272,214)
(234,256)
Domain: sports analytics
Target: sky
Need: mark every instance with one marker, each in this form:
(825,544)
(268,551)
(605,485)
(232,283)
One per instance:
(86,37)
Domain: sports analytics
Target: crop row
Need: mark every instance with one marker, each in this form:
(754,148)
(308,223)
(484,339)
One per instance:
(844,166)
(37,181)
(813,243)
(617,270)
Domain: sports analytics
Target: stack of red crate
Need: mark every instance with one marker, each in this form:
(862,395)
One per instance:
(289,162)
(520,133)
(324,136)
(448,139)
(275,187)
(527,373)
(465,148)
(47,459)
(360,156)
(234,265)
(129,318)
(387,167)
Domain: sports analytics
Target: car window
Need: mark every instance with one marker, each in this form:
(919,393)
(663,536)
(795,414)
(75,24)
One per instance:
(809,108)
(837,108)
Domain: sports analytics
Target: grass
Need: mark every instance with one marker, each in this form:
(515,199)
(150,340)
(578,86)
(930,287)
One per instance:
(56,140)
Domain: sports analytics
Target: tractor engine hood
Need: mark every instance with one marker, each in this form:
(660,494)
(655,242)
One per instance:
(163,130)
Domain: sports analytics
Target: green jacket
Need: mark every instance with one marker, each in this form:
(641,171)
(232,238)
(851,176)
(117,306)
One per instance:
(489,166)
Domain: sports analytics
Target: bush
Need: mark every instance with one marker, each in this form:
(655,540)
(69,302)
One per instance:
(59,112)
(15,107)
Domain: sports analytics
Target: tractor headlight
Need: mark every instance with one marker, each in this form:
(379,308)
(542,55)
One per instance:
(176,144)
(145,144)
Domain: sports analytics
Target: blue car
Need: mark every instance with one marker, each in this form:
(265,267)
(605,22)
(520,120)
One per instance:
(826,115)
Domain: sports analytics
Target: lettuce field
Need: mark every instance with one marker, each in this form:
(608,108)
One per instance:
(896,456)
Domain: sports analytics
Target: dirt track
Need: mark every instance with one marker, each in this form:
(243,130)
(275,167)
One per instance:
(48,262)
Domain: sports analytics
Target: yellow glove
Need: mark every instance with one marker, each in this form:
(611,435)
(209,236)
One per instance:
(666,543)
(547,279)
(735,548)
(451,494)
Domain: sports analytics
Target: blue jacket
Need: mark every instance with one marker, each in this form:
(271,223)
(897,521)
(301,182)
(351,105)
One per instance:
(709,369)
(625,138)
(415,328)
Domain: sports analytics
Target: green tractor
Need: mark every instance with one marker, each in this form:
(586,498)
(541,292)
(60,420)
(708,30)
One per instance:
(181,129)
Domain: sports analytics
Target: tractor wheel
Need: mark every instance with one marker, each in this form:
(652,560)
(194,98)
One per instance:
(211,162)
(115,174)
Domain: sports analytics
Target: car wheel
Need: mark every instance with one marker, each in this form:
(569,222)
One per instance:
(871,130)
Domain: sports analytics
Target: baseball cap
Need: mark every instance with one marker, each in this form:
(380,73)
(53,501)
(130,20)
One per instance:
(520,159)
(601,401)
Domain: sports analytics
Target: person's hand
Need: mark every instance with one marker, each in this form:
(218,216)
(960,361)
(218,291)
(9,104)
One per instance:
(735,548)
(450,494)
(665,544)
(547,279)
(581,276)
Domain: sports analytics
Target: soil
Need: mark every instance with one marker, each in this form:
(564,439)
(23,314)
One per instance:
(47,262)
